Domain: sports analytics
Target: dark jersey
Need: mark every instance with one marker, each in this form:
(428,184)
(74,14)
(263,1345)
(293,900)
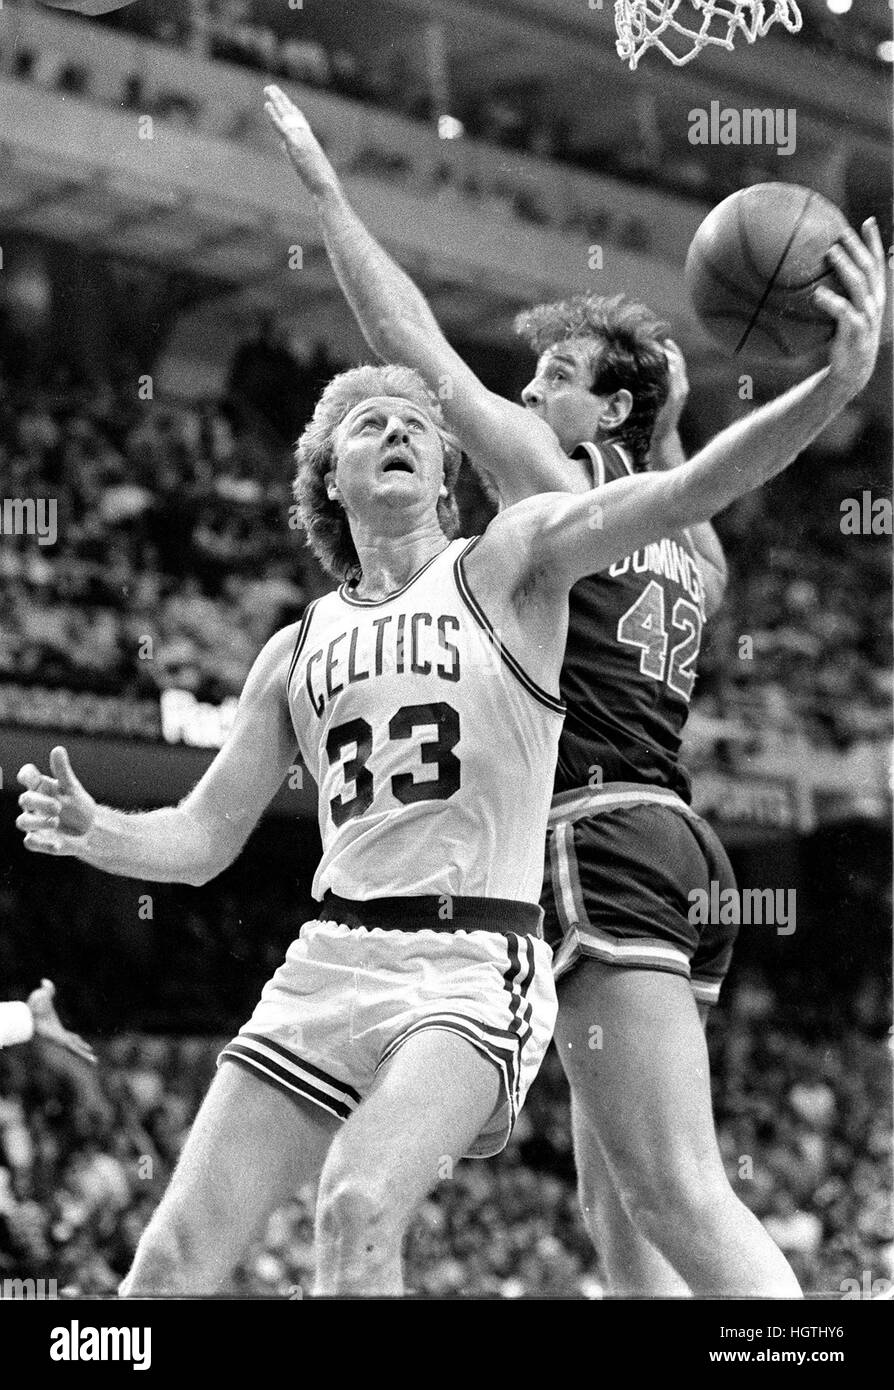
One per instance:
(630,663)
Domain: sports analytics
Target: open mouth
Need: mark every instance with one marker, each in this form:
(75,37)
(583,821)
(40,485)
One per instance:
(398,463)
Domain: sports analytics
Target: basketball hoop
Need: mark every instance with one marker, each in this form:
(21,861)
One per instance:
(644,24)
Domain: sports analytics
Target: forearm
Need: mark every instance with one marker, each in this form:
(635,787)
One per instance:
(751,451)
(577,536)
(512,448)
(392,312)
(707,548)
(667,452)
(166,846)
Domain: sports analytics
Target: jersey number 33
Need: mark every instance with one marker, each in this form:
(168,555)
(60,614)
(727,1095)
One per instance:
(438,753)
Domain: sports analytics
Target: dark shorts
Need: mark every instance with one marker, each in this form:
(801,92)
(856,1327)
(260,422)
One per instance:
(621,863)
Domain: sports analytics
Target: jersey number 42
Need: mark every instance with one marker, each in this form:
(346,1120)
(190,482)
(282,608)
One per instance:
(643,626)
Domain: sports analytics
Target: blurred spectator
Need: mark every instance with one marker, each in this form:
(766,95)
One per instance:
(174,525)
(77,1188)
(266,380)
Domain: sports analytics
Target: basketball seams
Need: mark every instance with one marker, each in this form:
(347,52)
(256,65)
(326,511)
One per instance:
(732,287)
(775,275)
(813,280)
(769,311)
(768,330)
(745,245)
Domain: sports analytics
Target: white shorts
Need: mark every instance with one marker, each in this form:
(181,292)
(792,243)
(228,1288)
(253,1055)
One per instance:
(346,998)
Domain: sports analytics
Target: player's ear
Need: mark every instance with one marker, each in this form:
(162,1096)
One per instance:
(615,409)
(331,486)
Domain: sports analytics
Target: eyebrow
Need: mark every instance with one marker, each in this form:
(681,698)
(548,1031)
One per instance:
(410,412)
(561,357)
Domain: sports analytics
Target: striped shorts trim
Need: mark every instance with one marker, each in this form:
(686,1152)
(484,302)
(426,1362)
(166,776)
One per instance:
(583,802)
(286,1070)
(517,981)
(313,1011)
(505,1057)
(582,938)
(503,1046)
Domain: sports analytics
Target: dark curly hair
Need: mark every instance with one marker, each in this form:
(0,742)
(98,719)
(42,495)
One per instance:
(324,519)
(624,347)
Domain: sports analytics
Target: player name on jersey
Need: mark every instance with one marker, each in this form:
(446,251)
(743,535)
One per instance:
(669,560)
(634,636)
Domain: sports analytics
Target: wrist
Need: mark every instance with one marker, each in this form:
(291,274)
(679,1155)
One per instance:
(838,388)
(95,845)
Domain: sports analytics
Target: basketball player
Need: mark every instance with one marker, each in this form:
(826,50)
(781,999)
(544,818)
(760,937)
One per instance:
(37,1018)
(624,849)
(416,1008)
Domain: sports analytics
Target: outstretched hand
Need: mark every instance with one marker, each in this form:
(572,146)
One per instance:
(57,811)
(299,142)
(861,269)
(48,1027)
(668,417)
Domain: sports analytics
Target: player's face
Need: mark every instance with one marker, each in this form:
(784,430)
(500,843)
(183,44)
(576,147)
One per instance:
(389,452)
(560,394)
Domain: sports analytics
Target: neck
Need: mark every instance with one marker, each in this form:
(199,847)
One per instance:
(388,562)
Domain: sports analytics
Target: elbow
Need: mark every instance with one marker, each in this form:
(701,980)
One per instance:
(210,843)
(210,867)
(395,336)
(384,335)
(200,875)
(689,504)
(667,501)
(380,336)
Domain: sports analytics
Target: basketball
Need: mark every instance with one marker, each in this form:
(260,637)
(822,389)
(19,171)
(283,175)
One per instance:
(754,264)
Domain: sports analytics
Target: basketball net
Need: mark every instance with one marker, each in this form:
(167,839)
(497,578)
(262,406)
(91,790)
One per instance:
(644,24)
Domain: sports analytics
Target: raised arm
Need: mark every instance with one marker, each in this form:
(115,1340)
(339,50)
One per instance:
(515,450)
(568,537)
(192,842)
(667,452)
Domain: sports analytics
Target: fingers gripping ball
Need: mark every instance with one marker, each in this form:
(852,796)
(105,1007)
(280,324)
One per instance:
(754,265)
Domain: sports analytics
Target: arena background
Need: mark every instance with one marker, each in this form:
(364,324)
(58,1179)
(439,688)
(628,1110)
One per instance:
(167,316)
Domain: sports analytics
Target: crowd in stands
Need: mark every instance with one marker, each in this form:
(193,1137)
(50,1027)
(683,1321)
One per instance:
(176,560)
(803,1110)
(812,605)
(173,526)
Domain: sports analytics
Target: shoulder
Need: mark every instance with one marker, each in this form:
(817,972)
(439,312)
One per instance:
(281,645)
(275,658)
(508,556)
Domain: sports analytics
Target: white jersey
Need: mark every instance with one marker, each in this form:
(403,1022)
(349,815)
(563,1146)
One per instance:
(432,748)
